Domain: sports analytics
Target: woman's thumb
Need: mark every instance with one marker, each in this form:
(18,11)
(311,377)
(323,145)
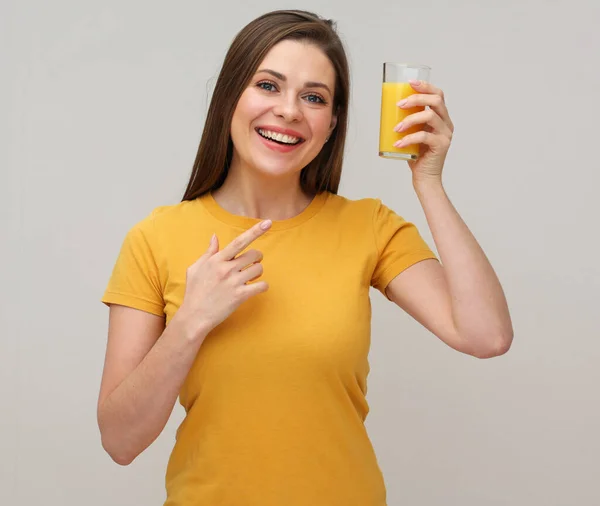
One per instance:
(213,247)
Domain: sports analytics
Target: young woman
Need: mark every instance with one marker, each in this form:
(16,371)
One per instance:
(250,298)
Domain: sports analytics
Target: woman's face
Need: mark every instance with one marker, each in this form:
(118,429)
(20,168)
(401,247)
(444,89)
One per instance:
(285,114)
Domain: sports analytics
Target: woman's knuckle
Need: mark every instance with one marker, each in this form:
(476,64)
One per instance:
(223,270)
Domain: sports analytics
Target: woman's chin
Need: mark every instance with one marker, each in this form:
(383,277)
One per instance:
(275,169)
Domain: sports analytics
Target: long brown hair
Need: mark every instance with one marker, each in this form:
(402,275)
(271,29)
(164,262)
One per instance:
(247,50)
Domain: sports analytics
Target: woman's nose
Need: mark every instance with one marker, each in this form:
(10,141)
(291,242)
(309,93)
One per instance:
(288,109)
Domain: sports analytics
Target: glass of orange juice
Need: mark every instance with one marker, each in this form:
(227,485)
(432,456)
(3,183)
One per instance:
(396,87)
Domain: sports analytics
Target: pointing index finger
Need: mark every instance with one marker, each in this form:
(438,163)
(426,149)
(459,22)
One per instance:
(242,241)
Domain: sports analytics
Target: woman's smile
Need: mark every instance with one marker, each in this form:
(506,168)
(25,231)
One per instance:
(282,140)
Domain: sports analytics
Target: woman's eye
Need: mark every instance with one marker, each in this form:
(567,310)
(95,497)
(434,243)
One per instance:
(315,99)
(266,86)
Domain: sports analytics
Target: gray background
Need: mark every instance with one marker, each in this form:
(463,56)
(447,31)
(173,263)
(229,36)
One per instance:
(102,107)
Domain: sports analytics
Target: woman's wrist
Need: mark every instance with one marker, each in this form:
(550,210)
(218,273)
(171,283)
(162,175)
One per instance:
(427,184)
(189,326)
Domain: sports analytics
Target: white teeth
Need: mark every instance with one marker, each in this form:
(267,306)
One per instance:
(287,139)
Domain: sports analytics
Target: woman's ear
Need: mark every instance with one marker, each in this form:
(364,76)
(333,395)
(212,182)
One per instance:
(332,125)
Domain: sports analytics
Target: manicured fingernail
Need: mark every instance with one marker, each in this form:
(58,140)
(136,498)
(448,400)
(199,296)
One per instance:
(415,82)
(266,224)
(399,127)
(402,103)
(399,144)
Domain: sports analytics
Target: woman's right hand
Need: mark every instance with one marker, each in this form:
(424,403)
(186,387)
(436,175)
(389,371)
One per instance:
(218,282)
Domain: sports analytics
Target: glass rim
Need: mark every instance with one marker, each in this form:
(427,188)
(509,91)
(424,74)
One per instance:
(407,65)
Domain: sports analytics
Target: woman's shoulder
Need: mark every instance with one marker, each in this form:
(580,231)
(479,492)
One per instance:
(360,205)
(165,216)
(167,213)
(362,210)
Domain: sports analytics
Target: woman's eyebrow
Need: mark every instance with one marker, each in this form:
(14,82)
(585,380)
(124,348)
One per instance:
(308,84)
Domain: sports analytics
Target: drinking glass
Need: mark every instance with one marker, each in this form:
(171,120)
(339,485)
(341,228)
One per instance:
(396,87)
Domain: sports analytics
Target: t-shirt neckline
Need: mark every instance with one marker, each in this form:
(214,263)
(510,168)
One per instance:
(210,204)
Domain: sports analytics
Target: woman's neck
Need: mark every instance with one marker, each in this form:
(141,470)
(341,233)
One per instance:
(244,194)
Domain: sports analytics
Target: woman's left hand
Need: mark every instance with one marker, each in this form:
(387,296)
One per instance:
(436,136)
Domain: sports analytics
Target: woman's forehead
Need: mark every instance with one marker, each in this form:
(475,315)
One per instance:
(299,60)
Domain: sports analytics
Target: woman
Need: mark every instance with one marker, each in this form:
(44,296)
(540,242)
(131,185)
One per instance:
(271,365)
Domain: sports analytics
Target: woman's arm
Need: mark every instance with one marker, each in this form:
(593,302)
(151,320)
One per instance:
(144,369)
(461,300)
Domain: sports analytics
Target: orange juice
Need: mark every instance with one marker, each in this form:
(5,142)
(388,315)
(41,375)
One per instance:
(391,115)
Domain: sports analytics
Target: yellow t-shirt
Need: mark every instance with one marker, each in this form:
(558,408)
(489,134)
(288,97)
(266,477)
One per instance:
(275,400)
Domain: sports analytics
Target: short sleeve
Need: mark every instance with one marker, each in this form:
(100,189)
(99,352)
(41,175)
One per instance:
(135,279)
(399,245)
